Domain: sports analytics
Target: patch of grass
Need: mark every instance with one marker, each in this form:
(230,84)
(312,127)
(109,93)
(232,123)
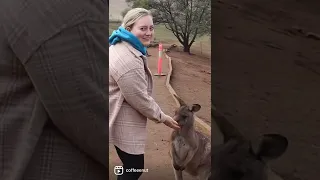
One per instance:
(162,34)
(113,26)
(201,46)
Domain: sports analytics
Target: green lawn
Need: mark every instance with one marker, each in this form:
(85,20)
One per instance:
(201,44)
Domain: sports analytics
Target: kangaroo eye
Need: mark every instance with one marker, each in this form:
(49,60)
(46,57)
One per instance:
(184,116)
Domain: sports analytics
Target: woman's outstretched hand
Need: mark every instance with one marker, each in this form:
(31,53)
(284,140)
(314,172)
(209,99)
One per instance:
(170,122)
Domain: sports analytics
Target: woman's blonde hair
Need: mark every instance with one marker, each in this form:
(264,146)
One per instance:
(133,16)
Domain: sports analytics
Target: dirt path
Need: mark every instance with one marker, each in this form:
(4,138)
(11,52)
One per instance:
(191,79)
(267,76)
(157,159)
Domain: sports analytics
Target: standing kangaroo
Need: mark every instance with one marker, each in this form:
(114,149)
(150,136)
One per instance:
(236,159)
(190,150)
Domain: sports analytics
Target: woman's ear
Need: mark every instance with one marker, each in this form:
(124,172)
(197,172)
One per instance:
(128,28)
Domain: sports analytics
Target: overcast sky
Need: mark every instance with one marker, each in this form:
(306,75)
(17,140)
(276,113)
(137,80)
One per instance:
(116,7)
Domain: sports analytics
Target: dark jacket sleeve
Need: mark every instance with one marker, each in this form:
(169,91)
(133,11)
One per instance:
(69,72)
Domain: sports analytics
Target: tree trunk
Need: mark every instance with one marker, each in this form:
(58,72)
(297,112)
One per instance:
(186,48)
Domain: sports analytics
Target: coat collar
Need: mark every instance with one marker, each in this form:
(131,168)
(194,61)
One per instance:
(133,50)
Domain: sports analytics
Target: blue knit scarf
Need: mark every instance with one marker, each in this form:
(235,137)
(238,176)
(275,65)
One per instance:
(121,34)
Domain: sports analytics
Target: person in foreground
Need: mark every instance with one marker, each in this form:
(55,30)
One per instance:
(53,90)
(130,89)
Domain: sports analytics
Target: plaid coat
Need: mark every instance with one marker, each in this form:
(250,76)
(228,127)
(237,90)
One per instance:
(130,101)
(53,90)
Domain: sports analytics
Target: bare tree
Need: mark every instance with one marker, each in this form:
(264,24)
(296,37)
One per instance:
(187,19)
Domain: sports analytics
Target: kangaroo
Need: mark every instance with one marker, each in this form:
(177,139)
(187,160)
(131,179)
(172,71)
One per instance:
(238,158)
(241,159)
(190,150)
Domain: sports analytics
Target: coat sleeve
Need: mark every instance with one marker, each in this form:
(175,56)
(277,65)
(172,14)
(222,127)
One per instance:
(69,72)
(133,86)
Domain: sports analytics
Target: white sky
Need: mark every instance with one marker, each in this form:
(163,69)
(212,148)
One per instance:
(116,7)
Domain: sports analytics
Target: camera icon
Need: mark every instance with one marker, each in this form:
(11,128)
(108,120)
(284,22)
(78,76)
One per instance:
(118,170)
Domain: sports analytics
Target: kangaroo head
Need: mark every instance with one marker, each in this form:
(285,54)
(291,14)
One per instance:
(184,114)
(241,159)
(246,160)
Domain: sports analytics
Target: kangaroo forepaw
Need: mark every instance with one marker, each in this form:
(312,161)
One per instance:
(178,168)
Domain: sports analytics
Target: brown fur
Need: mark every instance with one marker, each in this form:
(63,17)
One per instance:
(190,150)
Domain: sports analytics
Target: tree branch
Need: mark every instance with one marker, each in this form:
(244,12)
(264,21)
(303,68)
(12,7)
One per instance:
(196,32)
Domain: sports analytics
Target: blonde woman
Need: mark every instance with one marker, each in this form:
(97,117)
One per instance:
(130,89)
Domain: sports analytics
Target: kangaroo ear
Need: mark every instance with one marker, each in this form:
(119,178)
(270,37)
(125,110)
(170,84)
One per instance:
(269,146)
(195,107)
(181,102)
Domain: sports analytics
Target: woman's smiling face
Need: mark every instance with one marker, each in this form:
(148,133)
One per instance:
(143,29)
